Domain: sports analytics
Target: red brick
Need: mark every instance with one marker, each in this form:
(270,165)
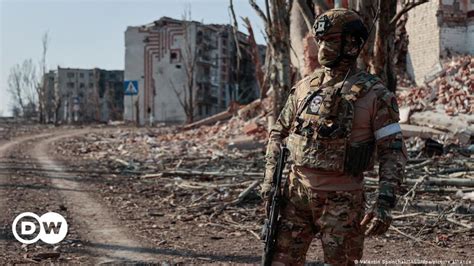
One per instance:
(251,128)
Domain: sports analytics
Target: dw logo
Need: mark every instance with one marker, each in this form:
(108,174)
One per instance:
(51,228)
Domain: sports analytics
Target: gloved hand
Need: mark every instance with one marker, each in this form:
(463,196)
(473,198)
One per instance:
(378,220)
(265,190)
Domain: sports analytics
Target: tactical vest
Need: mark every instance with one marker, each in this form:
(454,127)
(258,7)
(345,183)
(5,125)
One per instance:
(320,133)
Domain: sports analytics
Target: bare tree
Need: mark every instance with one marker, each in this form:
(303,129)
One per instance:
(235,29)
(15,88)
(377,54)
(255,54)
(186,94)
(41,86)
(277,29)
(22,83)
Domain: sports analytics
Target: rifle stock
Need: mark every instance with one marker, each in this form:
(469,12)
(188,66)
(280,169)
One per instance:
(269,232)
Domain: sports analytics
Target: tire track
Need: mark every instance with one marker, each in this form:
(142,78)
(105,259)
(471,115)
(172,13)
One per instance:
(7,148)
(99,226)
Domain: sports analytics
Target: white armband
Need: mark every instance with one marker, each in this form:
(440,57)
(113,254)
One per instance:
(387,131)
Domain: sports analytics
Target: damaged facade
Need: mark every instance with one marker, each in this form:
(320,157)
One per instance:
(438,29)
(83,95)
(159,56)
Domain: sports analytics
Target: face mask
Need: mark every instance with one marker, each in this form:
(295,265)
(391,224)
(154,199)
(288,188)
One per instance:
(328,52)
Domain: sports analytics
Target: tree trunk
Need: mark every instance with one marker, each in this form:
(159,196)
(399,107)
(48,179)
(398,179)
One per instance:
(280,52)
(366,9)
(298,31)
(384,45)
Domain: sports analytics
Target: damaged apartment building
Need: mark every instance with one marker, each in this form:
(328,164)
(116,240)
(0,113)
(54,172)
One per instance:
(437,29)
(83,95)
(172,64)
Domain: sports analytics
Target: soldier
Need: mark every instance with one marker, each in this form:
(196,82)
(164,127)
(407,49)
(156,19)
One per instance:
(332,136)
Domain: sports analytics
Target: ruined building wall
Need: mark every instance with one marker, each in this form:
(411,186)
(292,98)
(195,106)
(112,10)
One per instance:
(437,29)
(84,95)
(134,70)
(455,18)
(156,57)
(424,40)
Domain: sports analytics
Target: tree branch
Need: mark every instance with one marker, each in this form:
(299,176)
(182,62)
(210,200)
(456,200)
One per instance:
(322,4)
(236,39)
(178,95)
(407,7)
(258,10)
(306,13)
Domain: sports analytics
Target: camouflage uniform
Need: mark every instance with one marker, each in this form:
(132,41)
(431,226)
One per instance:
(331,138)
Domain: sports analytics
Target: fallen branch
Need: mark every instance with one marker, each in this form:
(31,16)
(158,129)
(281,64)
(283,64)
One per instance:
(418,165)
(204,173)
(439,207)
(398,217)
(410,195)
(449,219)
(244,193)
(413,238)
(239,199)
(455,182)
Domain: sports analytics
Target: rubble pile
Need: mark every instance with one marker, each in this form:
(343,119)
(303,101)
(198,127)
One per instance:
(451,88)
(163,148)
(207,175)
(192,178)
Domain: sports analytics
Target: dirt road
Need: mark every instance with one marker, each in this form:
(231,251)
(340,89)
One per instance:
(32,181)
(118,216)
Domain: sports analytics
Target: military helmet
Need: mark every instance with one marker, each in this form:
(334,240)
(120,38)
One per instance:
(343,22)
(340,20)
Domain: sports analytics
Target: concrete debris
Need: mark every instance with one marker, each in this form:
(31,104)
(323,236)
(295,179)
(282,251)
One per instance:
(441,120)
(419,131)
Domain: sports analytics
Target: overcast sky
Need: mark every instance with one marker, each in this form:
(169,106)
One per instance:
(87,34)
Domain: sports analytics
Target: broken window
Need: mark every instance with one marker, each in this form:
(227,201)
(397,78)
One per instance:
(81,75)
(70,85)
(81,85)
(70,74)
(91,85)
(174,57)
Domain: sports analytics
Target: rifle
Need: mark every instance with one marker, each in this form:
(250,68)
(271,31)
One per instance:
(269,230)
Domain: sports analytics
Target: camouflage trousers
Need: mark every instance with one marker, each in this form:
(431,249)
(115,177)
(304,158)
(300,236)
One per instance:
(334,215)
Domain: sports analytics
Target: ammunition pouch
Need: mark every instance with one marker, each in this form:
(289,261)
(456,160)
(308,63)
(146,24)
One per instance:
(310,152)
(359,157)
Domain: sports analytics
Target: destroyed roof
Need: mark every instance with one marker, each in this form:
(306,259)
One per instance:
(163,21)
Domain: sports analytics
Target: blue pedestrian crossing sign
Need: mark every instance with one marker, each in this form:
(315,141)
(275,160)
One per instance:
(131,87)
